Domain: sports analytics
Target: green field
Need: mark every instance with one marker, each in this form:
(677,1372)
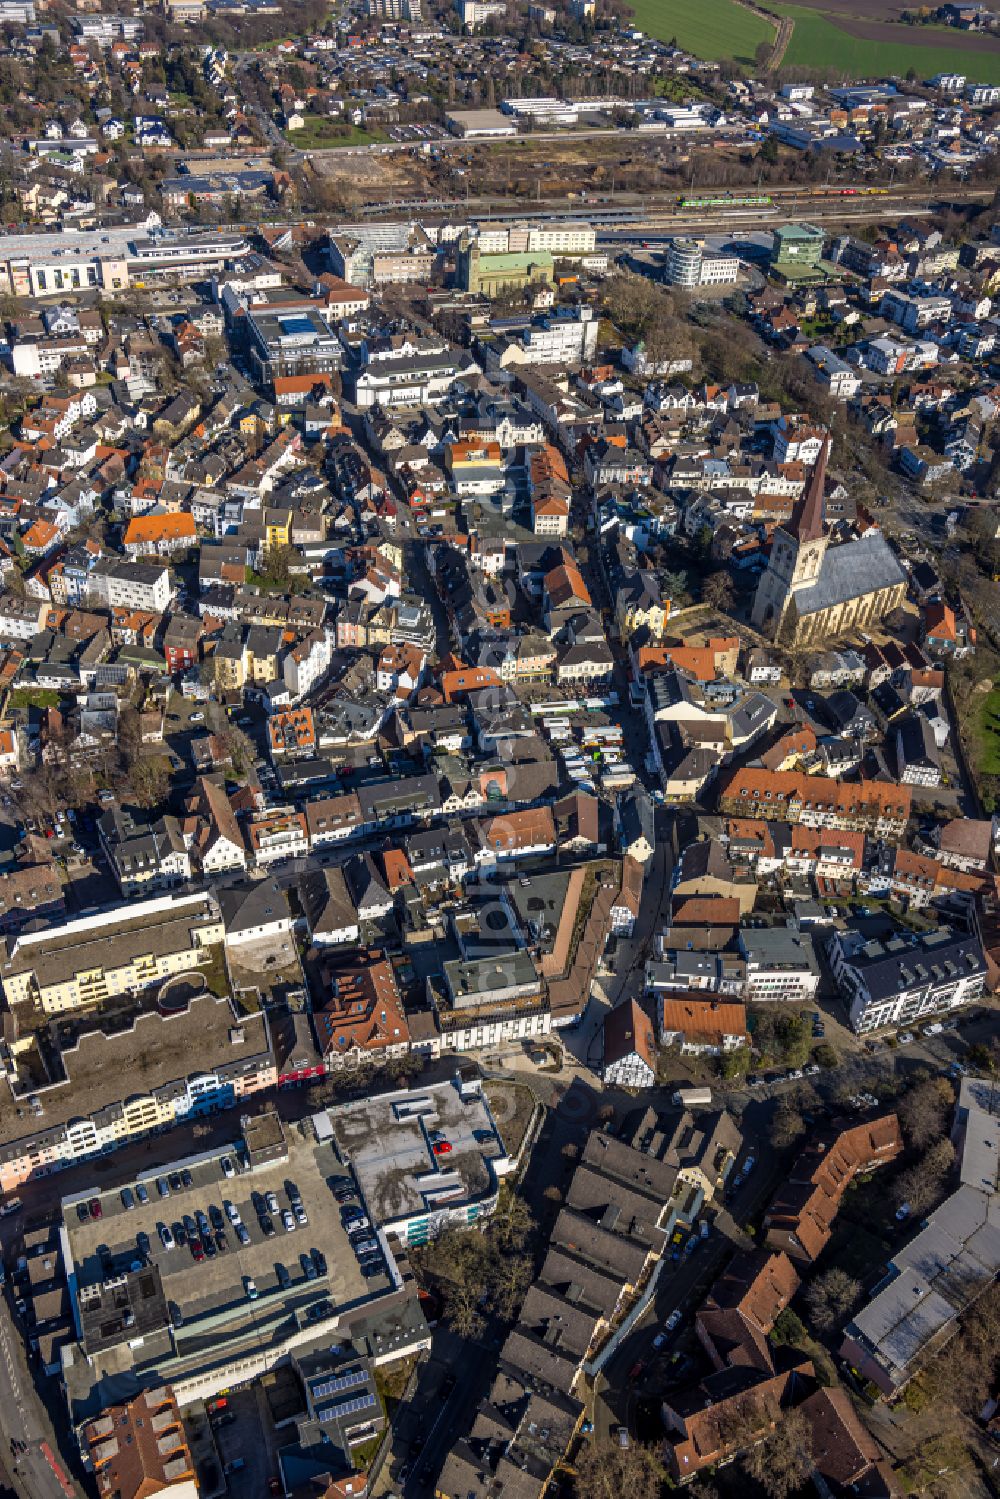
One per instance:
(988,756)
(320,135)
(818,42)
(712,29)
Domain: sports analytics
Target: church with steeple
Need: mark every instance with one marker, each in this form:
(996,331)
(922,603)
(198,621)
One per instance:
(812,591)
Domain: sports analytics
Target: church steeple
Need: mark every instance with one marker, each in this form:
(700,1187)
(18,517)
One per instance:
(806,522)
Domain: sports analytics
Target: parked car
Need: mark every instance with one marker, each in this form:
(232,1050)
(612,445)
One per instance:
(128,1199)
(141,1193)
(227,1168)
(166,1237)
(442,1147)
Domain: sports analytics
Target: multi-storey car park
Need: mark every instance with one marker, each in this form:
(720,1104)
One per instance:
(207,1272)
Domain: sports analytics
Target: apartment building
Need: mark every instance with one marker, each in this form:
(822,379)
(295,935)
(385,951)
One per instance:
(102,1084)
(81,963)
(139,1449)
(282,835)
(898,980)
(875,807)
(130,585)
(799,1219)
(781,964)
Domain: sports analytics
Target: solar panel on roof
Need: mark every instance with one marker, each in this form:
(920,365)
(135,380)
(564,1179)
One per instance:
(349,1381)
(296,324)
(347,1407)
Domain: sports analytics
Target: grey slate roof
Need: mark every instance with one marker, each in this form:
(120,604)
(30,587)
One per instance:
(854,569)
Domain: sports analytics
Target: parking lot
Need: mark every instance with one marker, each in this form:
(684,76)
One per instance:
(228,1243)
(418,133)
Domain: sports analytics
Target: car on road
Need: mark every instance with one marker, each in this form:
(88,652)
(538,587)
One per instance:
(748,1165)
(673,1320)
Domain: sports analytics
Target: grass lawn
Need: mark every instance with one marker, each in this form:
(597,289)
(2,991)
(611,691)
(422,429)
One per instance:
(34,697)
(715,31)
(319,135)
(817,42)
(988,737)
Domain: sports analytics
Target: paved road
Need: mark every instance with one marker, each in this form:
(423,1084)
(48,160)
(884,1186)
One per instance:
(38,1472)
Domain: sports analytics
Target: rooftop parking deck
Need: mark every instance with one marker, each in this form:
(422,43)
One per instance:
(301,1276)
(390,1143)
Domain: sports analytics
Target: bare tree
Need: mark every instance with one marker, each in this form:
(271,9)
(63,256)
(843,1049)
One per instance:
(609,1472)
(717,590)
(831,1297)
(511,1222)
(787,1126)
(923,1111)
(923,1184)
(782,1463)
